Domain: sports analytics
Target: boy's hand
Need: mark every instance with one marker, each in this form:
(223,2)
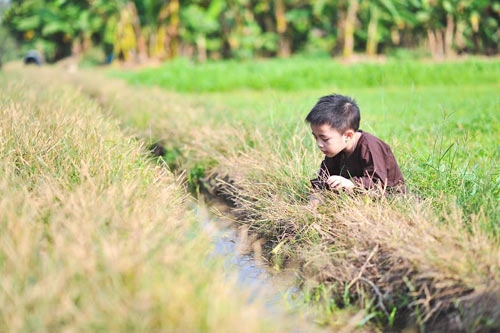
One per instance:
(338,182)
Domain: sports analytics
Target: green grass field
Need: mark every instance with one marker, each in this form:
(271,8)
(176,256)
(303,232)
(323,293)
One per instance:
(442,120)
(239,127)
(299,73)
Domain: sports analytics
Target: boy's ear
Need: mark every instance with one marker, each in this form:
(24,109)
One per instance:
(349,133)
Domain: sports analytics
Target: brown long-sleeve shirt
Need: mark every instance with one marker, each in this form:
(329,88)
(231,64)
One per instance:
(371,164)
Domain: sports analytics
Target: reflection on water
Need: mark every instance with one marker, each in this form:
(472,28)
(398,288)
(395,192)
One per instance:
(277,289)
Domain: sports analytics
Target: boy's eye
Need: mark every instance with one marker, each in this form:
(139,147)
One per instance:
(320,138)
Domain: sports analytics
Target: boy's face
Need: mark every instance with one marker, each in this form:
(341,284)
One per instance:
(329,140)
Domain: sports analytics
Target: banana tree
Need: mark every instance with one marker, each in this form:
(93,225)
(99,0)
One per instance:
(60,28)
(383,20)
(5,39)
(349,27)
(300,21)
(429,18)
(294,21)
(323,34)
(160,26)
(248,29)
(109,13)
(285,47)
(482,32)
(166,43)
(345,24)
(24,23)
(200,26)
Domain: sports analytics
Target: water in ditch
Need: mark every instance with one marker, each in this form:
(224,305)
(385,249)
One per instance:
(277,289)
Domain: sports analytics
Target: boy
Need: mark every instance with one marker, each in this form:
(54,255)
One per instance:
(353,158)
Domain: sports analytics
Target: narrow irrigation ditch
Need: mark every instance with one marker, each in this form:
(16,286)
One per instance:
(242,256)
(374,258)
(242,251)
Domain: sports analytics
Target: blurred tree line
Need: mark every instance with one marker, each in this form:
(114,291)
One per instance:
(159,29)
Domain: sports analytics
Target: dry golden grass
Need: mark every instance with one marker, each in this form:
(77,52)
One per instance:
(94,237)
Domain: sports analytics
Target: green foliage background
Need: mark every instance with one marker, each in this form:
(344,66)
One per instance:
(137,30)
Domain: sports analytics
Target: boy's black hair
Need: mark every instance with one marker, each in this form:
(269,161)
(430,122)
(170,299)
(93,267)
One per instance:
(340,112)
